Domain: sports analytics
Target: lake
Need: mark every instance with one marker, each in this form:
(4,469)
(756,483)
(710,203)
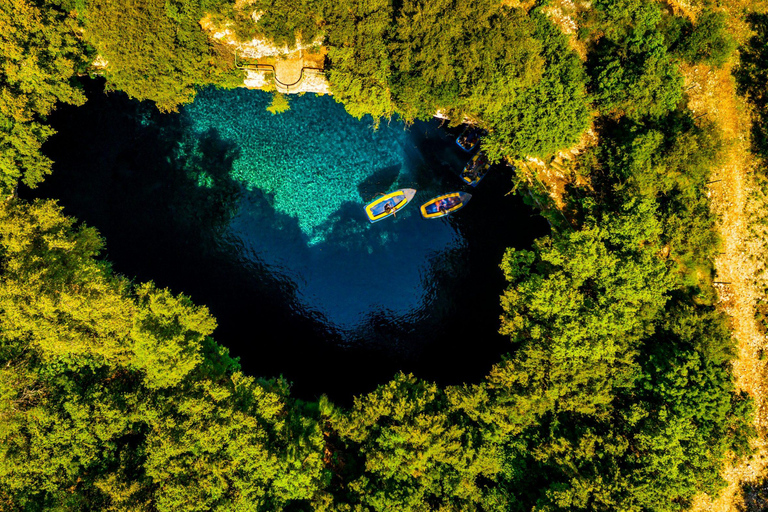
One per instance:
(260,218)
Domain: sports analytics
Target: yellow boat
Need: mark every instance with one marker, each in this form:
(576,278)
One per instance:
(476,169)
(389,204)
(443,205)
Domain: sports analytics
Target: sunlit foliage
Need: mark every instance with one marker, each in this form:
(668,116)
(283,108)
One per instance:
(504,68)
(633,71)
(39,54)
(551,114)
(156,49)
(116,394)
(360,62)
(616,393)
(279,104)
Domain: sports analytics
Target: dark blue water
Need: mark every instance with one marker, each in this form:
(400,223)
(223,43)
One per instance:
(260,218)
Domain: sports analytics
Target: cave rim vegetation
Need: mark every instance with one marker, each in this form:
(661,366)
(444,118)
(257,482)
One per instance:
(202,195)
(597,367)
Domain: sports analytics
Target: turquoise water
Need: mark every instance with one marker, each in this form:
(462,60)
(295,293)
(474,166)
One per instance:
(260,218)
(309,160)
(317,167)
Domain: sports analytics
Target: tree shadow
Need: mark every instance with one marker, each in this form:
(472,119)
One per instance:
(163,198)
(755,496)
(751,77)
(119,164)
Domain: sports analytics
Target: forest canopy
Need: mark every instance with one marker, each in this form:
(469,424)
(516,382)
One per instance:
(40,53)
(616,391)
(155,49)
(509,70)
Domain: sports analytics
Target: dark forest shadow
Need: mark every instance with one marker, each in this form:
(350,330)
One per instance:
(752,76)
(164,198)
(755,496)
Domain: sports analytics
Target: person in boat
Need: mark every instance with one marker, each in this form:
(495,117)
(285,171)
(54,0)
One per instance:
(471,172)
(387,208)
(474,170)
(468,139)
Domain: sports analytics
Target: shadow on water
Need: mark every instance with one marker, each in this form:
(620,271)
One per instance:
(321,312)
(379,182)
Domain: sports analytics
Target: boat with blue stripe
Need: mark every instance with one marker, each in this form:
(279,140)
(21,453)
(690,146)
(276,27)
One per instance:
(443,205)
(469,138)
(476,169)
(388,204)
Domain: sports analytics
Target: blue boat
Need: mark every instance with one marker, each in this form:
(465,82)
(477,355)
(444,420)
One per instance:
(469,138)
(476,169)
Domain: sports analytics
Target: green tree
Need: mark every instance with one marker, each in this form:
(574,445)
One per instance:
(285,22)
(463,59)
(39,54)
(167,335)
(549,115)
(632,69)
(669,161)
(156,49)
(709,41)
(588,289)
(115,396)
(64,314)
(359,57)
(232,445)
(415,455)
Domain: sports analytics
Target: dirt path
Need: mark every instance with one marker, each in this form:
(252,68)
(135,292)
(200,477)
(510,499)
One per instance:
(712,96)
(739,205)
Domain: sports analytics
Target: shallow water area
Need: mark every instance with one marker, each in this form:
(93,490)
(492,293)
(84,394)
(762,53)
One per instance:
(317,168)
(260,217)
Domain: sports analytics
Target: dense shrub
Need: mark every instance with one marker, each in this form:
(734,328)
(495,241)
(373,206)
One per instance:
(709,41)
(39,54)
(156,49)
